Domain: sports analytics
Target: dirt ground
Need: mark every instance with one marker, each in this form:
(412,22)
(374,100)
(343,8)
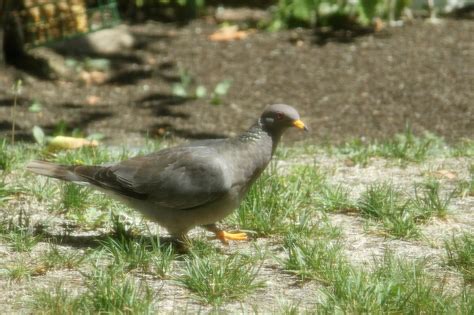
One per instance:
(369,86)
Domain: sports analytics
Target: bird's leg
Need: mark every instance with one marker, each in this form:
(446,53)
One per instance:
(224,236)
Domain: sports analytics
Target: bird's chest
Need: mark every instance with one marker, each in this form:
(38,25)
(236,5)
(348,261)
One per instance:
(249,167)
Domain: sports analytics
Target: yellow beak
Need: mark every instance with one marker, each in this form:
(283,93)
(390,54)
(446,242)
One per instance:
(300,125)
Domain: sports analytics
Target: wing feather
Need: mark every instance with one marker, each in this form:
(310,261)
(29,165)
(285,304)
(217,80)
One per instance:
(176,178)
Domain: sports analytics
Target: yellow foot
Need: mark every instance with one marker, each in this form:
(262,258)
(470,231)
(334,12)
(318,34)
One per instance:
(224,236)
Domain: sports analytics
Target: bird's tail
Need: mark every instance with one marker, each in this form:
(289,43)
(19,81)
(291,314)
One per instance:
(49,169)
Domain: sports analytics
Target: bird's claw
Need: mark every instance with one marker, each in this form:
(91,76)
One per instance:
(224,236)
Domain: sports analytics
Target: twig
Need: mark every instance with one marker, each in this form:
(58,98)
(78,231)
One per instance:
(16,91)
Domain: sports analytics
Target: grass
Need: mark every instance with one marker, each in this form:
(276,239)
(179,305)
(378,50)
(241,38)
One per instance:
(315,259)
(393,286)
(464,148)
(6,192)
(74,197)
(19,271)
(108,292)
(402,148)
(460,254)
(465,188)
(143,254)
(399,214)
(275,202)
(55,258)
(216,279)
(89,156)
(334,198)
(19,233)
(289,209)
(7,158)
(14,156)
(429,200)
(42,188)
(55,301)
(384,204)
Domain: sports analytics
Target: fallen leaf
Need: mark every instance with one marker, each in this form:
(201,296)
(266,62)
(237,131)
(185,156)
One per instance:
(445,174)
(92,100)
(93,77)
(379,25)
(227,34)
(98,77)
(67,143)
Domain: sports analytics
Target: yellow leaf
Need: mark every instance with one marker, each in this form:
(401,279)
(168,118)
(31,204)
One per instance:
(67,143)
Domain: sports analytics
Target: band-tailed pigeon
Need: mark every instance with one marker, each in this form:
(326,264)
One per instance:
(195,184)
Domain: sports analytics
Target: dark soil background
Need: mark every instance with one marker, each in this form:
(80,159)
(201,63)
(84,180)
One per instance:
(344,87)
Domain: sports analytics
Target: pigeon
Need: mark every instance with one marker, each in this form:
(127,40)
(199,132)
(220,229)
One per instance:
(195,184)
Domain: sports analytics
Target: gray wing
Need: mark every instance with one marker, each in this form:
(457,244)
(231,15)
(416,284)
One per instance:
(176,178)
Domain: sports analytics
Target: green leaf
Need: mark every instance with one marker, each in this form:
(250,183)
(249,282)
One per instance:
(35,107)
(96,136)
(38,134)
(201,91)
(179,90)
(99,64)
(222,87)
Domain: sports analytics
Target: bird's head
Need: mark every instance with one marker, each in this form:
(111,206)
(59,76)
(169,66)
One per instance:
(278,117)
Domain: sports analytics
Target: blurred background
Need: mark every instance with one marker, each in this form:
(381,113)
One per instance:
(128,70)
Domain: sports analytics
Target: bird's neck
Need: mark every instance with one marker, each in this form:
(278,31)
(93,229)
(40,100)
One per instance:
(257,134)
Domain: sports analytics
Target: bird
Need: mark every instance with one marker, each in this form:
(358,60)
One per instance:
(194,184)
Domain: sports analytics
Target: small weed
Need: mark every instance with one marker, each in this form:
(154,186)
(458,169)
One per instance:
(466,187)
(274,202)
(289,308)
(56,302)
(220,91)
(42,188)
(334,199)
(108,291)
(464,148)
(74,197)
(428,200)
(7,158)
(127,253)
(181,89)
(55,258)
(383,203)
(19,233)
(19,271)
(407,147)
(216,279)
(142,254)
(404,147)
(379,200)
(22,240)
(358,151)
(460,254)
(202,247)
(394,286)
(88,156)
(6,192)
(313,258)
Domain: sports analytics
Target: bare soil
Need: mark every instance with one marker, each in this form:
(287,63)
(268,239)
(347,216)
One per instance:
(344,86)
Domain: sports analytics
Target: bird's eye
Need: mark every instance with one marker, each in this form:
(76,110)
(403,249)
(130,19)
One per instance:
(279,116)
